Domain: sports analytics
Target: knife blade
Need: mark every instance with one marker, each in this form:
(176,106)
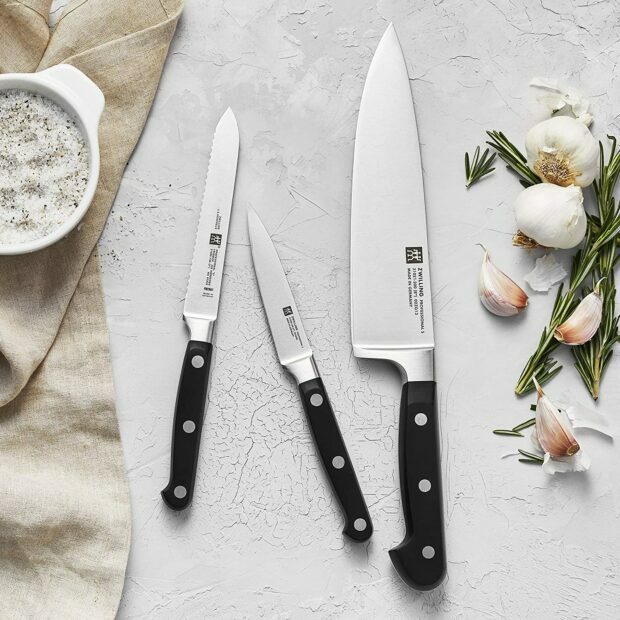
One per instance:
(391,307)
(295,354)
(200,311)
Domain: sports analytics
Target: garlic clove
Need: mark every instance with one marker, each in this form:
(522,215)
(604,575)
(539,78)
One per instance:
(551,215)
(584,322)
(562,151)
(498,293)
(554,431)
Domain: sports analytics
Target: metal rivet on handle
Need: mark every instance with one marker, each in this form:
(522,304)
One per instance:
(420,419)
(428,552)
(338,462)
(316,400)
(180,492)
(424,485)
(198,361)
(359,524)
(189,426)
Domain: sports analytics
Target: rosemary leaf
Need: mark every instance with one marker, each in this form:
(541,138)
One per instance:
(510,433)
(524,425)
(530,461)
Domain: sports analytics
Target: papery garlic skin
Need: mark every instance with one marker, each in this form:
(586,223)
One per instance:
(554,431)
(581,416)
(557,98)
(498,293)
(552,215)
(562,151)
(545,274)
(584,322)
(566,464)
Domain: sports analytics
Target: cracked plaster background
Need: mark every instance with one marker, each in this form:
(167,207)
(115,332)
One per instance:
(262,538)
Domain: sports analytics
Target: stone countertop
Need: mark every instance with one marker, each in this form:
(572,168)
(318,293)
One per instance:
(263,536)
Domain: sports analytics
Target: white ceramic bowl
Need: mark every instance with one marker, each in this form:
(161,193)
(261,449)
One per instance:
(81,98)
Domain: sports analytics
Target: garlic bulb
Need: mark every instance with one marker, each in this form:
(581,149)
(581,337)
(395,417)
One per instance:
(552,215)
(498,293)
(561,150)
(584,322)
(554,430)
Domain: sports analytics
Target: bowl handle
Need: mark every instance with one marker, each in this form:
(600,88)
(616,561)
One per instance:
(83,88)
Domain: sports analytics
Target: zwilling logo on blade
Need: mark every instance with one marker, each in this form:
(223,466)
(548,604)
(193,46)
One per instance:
(215,239)
(292,325)
(414,255)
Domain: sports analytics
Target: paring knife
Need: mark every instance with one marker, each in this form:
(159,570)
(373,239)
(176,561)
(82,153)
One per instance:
(391,310)
(295,355)
(200,310)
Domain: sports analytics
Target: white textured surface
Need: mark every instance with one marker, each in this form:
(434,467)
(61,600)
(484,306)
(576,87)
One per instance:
(262,538)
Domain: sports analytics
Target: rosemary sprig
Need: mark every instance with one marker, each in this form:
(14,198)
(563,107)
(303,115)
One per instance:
(594,258)
(591,358)
(513,158)
(541,363)
(479,166)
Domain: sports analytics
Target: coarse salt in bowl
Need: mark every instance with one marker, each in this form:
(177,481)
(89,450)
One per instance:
(83,101)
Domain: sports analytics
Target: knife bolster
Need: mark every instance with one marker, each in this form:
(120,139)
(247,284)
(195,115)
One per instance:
(303,369)
(415,363)
(200,329)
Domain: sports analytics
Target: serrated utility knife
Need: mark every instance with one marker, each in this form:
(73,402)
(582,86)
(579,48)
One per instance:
(200,310)
(295,354)
(391,309)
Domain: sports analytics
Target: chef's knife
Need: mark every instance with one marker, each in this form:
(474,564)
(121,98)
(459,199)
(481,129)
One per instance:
(200,310)
(295,355)
(391,313)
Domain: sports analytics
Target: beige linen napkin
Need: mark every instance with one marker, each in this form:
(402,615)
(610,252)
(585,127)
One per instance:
(64,502)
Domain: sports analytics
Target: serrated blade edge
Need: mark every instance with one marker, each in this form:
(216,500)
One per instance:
(205,278)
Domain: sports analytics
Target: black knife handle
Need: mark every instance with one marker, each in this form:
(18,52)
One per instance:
(336,461)
(421,558)
(188,416)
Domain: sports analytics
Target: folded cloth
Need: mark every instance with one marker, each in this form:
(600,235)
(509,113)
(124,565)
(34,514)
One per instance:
(64,500)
